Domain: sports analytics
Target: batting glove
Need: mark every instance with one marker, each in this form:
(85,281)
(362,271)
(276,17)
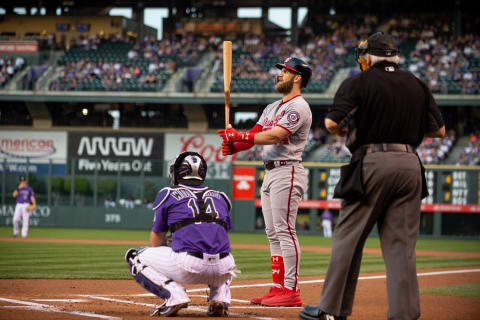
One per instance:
(232,135)
(228,148)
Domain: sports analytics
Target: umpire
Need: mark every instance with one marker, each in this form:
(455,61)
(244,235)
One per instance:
(385,113)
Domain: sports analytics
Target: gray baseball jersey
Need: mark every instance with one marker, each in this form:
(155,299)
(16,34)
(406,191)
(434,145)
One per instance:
(293,115)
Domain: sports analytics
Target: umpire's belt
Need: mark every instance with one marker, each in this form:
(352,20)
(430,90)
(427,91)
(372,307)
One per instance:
(388,147)
(272,164)
(199,255)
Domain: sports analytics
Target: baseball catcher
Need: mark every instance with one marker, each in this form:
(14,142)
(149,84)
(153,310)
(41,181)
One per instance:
(199,219)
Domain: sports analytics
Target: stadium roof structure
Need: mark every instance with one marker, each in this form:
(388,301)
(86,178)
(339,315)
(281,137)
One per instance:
(343,7)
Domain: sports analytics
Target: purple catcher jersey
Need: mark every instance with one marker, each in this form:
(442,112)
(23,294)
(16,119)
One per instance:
(24,195)
(174,204)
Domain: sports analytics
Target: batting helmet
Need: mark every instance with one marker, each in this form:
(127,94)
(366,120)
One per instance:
(378,44)
(298,66)
(189,168)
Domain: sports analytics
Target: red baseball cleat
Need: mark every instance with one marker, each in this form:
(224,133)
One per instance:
(271,293)
(288,298)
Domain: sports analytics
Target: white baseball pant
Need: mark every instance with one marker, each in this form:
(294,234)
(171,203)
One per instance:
(165,264)
(327,228)
(282,190)
(21,213)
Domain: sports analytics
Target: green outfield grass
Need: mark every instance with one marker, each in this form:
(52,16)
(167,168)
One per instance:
(101,261)
(257,238)
(463,290)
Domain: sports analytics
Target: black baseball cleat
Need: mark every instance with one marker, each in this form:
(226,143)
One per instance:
(313,312)
(217,309)
(171,311)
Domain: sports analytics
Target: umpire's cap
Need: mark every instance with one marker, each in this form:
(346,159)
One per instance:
(382,45)
(297,66)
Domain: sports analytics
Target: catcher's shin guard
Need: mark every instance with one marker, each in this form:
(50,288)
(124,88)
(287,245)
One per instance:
(278,270)
(146,276)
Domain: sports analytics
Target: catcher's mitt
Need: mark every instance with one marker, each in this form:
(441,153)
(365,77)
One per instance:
(31,208)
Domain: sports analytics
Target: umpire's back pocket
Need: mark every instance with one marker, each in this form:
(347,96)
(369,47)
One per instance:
(350,185)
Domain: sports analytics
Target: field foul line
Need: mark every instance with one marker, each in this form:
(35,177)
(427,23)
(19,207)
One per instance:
(193,308)
(205,296)
(45,307)
(421,274)
(116,300)
(59,300)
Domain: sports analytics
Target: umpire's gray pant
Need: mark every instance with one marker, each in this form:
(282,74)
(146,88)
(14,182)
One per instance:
(393,186)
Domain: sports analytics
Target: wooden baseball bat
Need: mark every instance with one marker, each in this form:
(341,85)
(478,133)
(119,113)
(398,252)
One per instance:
(227,77)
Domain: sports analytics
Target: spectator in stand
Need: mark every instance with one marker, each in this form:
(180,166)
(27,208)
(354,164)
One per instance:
(8,67)
(433,151)
(161,55)
(471,154)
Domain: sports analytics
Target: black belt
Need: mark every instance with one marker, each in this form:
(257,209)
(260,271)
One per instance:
(199,255)
(388,147)
(272,164)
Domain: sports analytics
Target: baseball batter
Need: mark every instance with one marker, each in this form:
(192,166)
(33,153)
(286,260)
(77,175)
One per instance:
(24,195)
(282,130)
(199,219)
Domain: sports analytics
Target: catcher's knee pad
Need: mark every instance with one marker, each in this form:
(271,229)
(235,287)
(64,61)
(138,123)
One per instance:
(131,257)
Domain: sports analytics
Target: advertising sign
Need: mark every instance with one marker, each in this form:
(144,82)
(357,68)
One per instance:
(39,147)
(110,152)
(18,47)
(208,145)
(243,183)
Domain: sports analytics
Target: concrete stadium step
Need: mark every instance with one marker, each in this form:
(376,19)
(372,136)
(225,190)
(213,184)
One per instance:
(457,150)
(338,78)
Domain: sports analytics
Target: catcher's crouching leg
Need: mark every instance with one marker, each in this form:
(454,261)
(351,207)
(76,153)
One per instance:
(140,273)
(174,294)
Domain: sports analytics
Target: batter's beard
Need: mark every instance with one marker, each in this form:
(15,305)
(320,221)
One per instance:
(284,87)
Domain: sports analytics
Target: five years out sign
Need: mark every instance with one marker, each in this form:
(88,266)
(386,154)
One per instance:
(110,153)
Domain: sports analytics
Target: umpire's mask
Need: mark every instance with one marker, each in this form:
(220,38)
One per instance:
(189,168)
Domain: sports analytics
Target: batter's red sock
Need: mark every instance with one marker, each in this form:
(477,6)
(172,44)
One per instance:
(278,270)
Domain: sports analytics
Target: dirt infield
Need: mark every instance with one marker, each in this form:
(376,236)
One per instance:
(125,299)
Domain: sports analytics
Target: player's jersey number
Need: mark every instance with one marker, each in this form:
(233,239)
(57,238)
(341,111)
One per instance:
(209,207)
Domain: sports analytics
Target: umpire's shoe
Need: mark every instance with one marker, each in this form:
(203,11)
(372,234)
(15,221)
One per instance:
(313,312)
(171,311)
(217,309)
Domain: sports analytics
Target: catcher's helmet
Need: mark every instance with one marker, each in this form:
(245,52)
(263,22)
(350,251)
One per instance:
(297,66)
(378,44)
(189,168)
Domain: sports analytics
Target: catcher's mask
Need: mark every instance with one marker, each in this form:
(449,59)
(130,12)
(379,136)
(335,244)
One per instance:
(189,168)
(378,44)
(298,66)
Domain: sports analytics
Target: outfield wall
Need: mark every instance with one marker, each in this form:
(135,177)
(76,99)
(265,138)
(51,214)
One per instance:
(110,179)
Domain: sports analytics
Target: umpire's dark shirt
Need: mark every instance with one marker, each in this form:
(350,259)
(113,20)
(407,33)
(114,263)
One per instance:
(388,106)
